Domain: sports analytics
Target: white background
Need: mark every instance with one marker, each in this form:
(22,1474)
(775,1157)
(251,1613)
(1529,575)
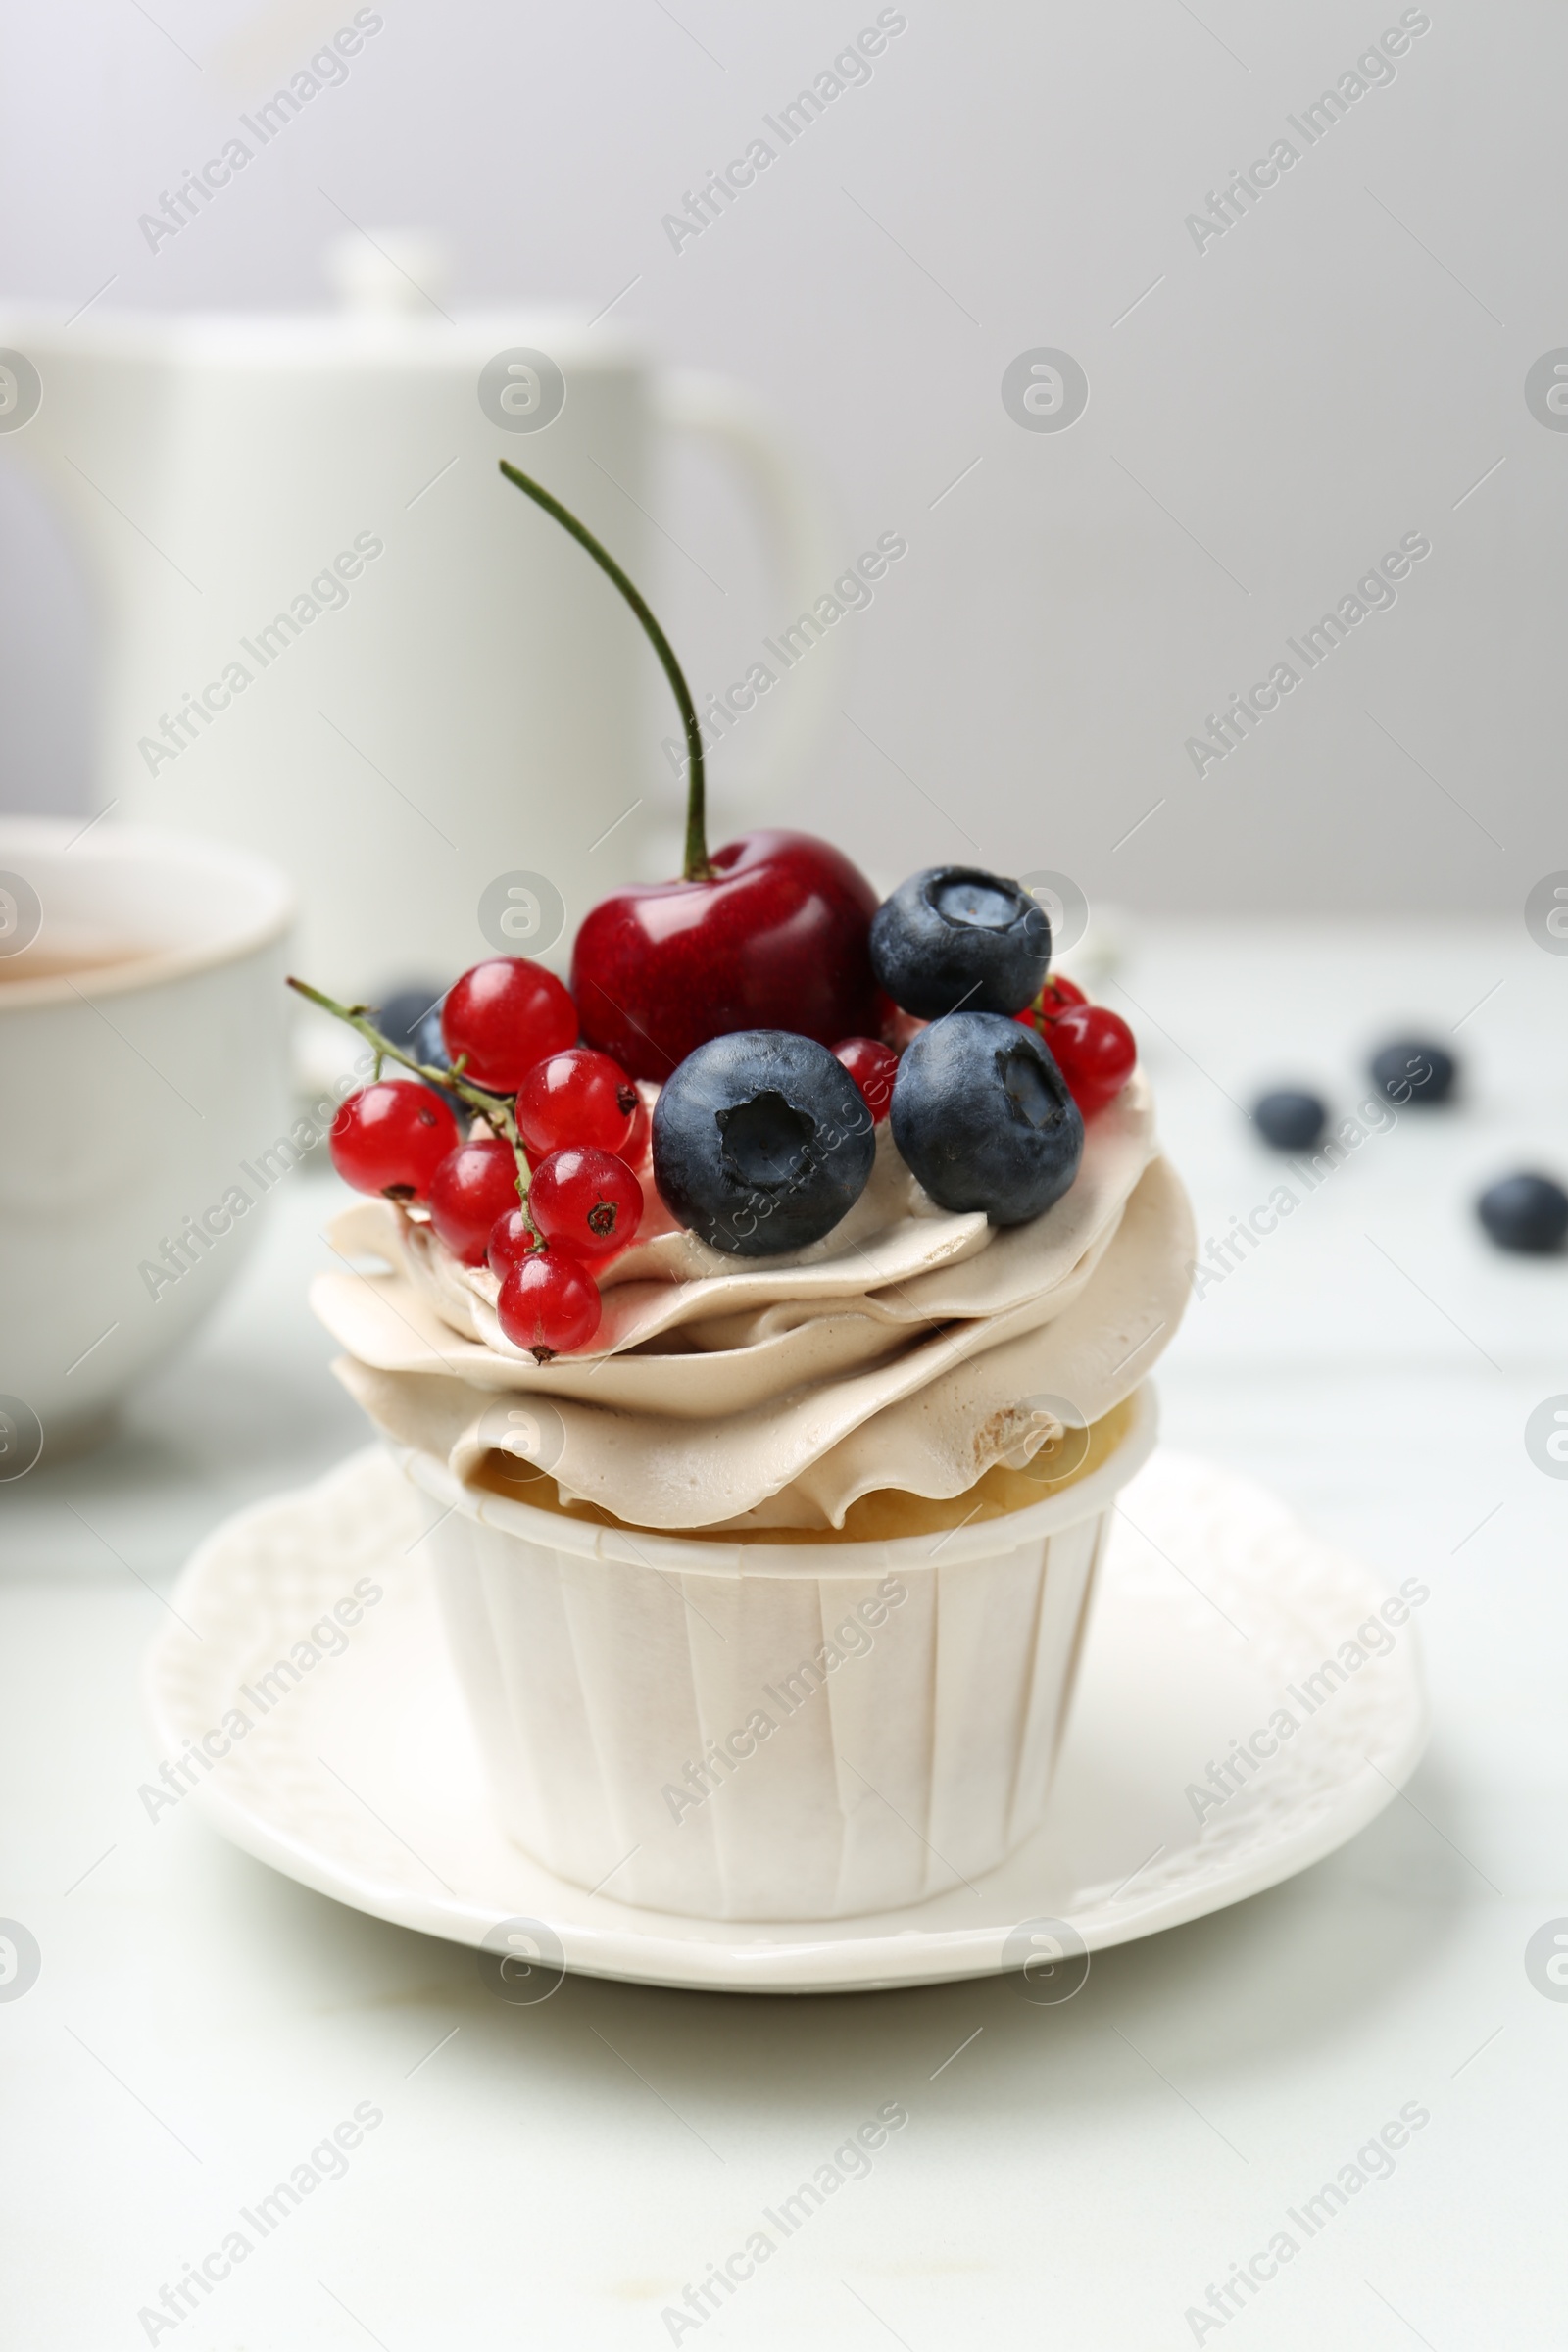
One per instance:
(1338,370)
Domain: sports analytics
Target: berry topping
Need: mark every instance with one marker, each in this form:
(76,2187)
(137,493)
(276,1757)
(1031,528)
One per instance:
(772,933)
(1289,1118)
(548,1304)
(585,1201)
(1095,1050)
(1412,1071)
(874,1068)
(473,1185)
(504,1015)
(1058,996)
(1525,1213)
(422,1042)
(761,1142)
(982,1115)
(956,938)
(512,1239)
(897,1028)
(391,1137)
(578,1097)
(402,1012)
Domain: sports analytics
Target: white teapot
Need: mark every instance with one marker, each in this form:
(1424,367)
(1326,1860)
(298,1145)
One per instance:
(336,635)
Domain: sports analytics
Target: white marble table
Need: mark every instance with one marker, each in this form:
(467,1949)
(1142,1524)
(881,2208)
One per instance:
(560,2175)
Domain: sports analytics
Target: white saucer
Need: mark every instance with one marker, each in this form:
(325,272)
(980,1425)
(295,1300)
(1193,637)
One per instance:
(362,1780)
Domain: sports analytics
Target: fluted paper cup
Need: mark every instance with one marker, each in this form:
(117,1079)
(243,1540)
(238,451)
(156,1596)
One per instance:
(769,1731)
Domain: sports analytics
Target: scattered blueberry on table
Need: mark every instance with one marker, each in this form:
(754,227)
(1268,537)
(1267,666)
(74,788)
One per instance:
(1414,1070)
(1525,1213)
(1289,1118)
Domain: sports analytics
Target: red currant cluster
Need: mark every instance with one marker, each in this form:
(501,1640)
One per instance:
(1092,1047)
(545,1193)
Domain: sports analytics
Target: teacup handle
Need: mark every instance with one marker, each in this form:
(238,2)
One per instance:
(798,523)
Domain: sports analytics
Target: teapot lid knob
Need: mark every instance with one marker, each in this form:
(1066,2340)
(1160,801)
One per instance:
(388,273)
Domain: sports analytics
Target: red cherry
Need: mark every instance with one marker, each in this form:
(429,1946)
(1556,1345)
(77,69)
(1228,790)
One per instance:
(588,1201)
(469,1192)
(874,1068)
(505,1014)
(512,1239)
(1058,996)
(578,1097)
(1095,1052)
(549,1304)
(775,938)
(391,1137)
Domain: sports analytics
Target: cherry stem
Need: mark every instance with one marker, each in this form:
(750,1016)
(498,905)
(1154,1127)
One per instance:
(696,867)
(493,1108)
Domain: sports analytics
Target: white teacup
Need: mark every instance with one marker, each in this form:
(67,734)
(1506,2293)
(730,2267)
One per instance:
(143,1066)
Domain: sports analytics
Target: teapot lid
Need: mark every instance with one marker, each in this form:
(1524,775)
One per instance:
(391,286)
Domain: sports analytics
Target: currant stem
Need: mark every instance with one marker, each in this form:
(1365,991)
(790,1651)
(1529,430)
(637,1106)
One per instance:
(493,1108)
(696,867)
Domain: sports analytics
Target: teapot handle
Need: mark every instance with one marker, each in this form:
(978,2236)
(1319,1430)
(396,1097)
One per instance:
(798,521)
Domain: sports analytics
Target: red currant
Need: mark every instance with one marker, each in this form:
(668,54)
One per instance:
(874,1068)
(549,1304)
(391,1137)
(1095,1052)
(469,1192)
(512,1239)
(505,1015)
(579,1096)
(1058,996)
(588,1201)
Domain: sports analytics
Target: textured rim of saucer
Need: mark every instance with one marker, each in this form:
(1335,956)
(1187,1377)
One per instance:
(715,1555)
(134,845)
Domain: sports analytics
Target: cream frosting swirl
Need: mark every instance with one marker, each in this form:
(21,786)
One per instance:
(910,1347)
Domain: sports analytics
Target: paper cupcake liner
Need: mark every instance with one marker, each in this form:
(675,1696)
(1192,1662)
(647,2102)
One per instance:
(769,1731)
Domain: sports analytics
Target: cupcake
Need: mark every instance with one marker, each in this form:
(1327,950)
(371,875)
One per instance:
(767,1321)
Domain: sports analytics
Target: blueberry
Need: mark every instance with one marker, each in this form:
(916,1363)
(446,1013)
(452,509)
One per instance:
(982,1115)
(426,1042)
(958,938)
(1525,1213)
(1289,1118)
(1410,1071)
(411,1018)
(405,1010)
(761,1142)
